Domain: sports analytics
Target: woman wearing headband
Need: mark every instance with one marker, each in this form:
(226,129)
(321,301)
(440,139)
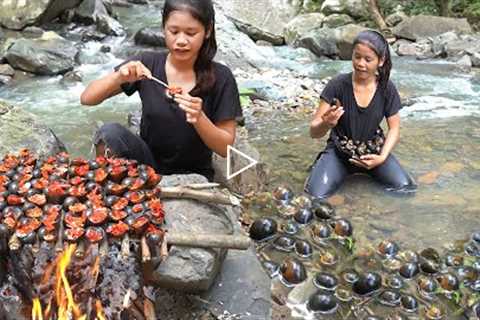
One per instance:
(352,107)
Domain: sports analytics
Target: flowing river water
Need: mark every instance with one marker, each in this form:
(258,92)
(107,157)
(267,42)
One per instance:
(440,141)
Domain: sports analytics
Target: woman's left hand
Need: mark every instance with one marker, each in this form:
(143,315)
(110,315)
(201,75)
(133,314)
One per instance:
(191,105)
(368,161)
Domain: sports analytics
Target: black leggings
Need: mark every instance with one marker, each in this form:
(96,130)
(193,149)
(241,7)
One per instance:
(329,172)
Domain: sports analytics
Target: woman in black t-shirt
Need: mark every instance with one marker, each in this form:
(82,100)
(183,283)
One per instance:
(179,130)
(352,107)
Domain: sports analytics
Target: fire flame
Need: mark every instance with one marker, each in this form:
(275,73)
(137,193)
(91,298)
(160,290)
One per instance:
(37,310)
(65,301)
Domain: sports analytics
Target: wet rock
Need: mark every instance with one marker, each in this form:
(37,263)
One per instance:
(257,34)
(109,26)
(16,15)
(20,130)
(72,77)
(461,46)
(33,32)
(321,42)
(300,25)
(121,3)
(6,70)
(345,36)
(405,48)
(89,11)
(476,60)
(439,42)
(423,26)
(465,63)
(251,13)
(5,80)
(153,37)
(49,55)
(396,17)
(337,20)
(191,269)
(353,8)
(138,1)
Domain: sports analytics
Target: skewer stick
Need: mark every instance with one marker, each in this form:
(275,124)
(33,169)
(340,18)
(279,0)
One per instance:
(159,81)
(14,243)
(148,309)
(103,247)
(146,255)
(164,248)
(125,246)
(59,244)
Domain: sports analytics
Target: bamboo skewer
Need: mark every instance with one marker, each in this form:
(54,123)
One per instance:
(125,249)
(189,193)
(146,255)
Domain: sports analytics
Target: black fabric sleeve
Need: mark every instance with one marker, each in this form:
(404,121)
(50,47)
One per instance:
(330,91)
(393,104)
(227,104)
(129,88)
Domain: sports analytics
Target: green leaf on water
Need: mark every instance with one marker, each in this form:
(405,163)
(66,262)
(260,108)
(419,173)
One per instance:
(457,296)
(350,244)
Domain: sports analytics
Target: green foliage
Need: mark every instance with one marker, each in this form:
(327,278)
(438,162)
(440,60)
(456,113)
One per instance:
(245,94)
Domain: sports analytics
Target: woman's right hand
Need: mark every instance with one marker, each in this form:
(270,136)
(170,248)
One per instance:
(333,114)
(133,71)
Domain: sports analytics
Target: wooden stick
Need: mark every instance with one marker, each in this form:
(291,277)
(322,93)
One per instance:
(59,244)
(125,246)
(146,255)
(164,249)
(208,240)
(199,186)
(103,247)
(80,251)
(183,192)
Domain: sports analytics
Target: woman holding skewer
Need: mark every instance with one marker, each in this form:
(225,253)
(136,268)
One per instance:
(181,125)
(352,107)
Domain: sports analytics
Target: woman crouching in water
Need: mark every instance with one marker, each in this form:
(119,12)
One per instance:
(352,107)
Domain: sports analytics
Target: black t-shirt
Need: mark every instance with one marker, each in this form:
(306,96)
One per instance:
(175,144)
(359,123)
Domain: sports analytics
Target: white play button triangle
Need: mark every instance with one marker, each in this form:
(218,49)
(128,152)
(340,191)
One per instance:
(230,152)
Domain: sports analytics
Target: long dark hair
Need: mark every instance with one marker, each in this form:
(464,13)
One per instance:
(203,11)
(379,45)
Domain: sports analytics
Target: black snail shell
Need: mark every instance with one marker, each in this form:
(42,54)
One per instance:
(350,275)
(427,286)
(409,303)
(303,248)
(322,209)
(390,297)
(452,260)
(284,243)
(476,310)
(321,231)
(409,270)
(372,318)
(303,215)
(292,272)
(342,228)
(387,249)
(283,194)
(429,267)
(476,237)
(448,282)
(467,274)
(290,227)
(322,303)
(367,283)
(431,255)
(262,229)
(325,281)
(394,282)
(472,249)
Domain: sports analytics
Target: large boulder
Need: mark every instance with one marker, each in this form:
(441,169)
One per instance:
(258,34)
(150,36)
(423,26)
(332,42)
(262,16)
(48,55)
(20,130)
(190,269)
(354,8)
(16,15)
(337,20)
(300,25)
(89,11)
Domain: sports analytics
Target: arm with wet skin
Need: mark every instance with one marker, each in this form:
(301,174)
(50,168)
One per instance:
(217,136)
(110,85)
(326,117)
